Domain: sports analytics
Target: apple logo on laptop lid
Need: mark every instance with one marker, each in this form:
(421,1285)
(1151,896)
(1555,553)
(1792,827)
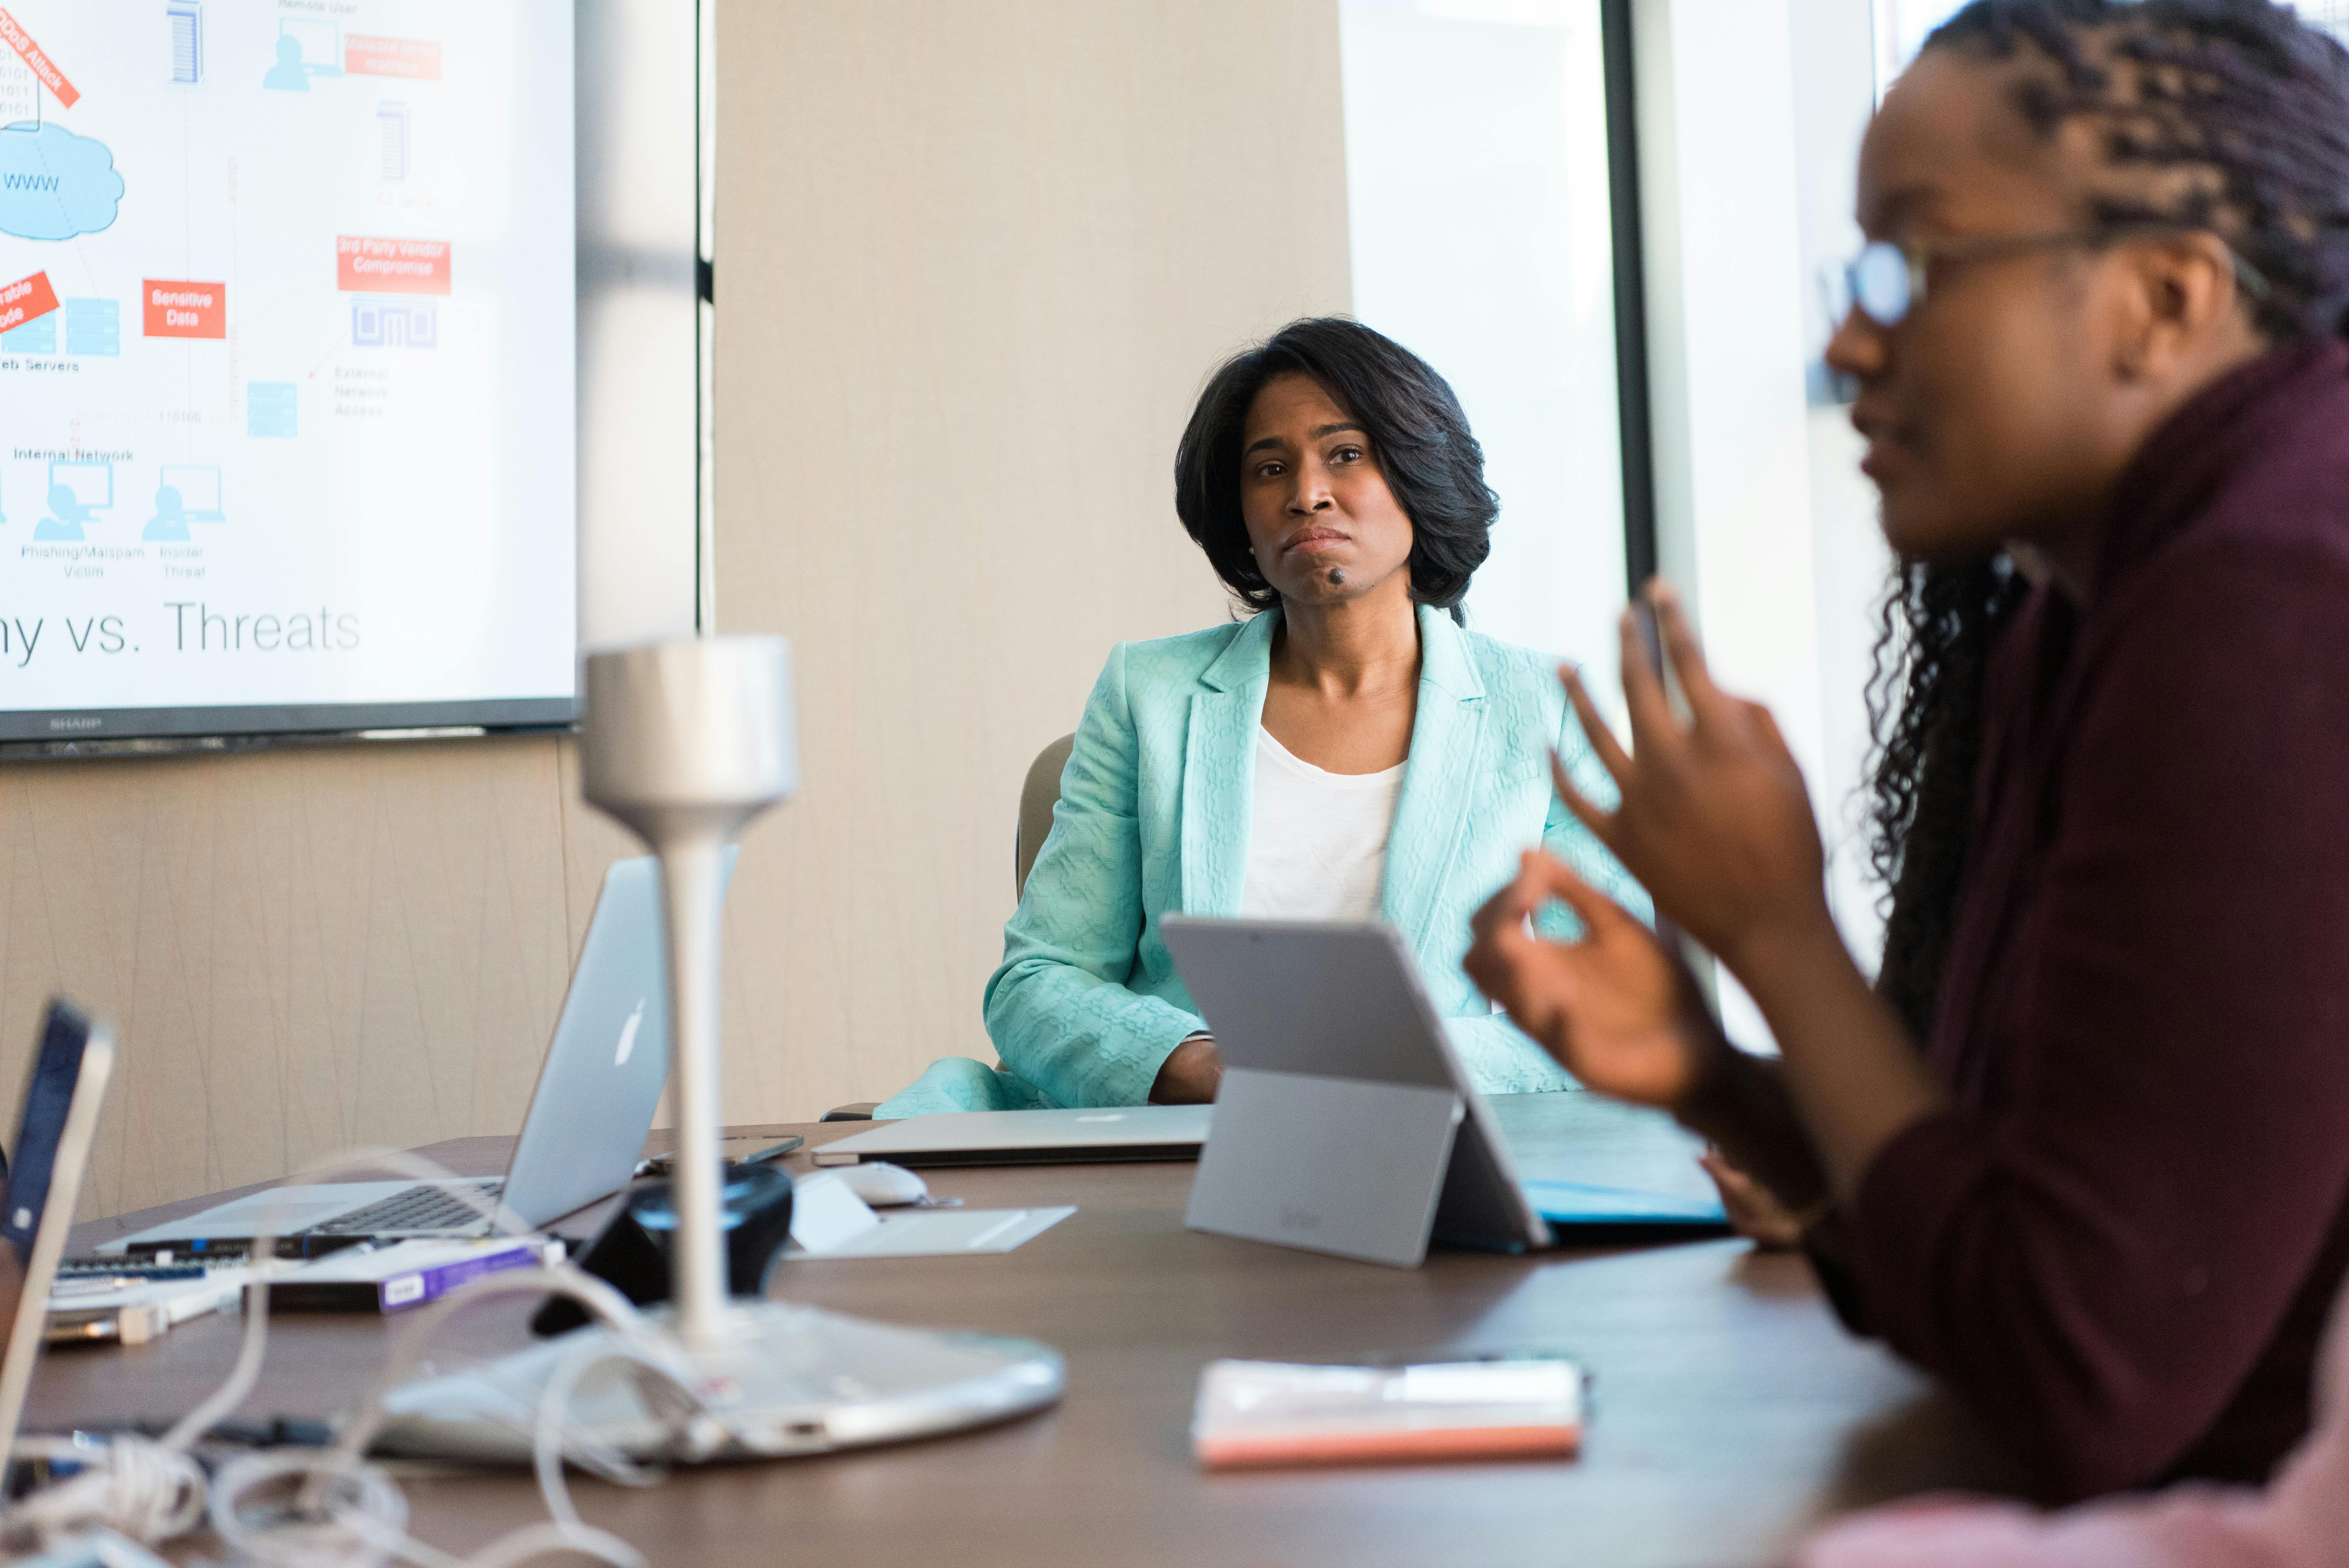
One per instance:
(628,1035)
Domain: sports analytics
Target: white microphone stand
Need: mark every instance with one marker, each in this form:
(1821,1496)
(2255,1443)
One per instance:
(686,743)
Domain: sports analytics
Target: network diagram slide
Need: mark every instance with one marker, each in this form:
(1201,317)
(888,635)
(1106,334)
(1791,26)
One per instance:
(287,346)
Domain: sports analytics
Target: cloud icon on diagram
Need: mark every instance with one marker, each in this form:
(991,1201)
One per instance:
(55,184)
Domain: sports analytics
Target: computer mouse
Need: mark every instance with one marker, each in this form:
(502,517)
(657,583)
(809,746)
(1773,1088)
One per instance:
(884,1185)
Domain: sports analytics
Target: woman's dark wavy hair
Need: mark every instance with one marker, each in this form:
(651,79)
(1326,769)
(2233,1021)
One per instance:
(2225,115)
(1416,431)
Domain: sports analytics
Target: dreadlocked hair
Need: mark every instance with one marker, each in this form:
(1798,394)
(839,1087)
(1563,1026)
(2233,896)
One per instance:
(2230,116)
(1924,706)
(2225,115)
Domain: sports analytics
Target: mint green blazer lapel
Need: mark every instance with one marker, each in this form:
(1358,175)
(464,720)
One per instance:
(1448,744)
(1219,770)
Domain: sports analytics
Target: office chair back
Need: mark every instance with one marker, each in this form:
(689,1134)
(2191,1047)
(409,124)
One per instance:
(1038,796)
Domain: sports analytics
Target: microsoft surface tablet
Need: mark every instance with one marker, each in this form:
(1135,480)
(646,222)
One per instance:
(1347,1123)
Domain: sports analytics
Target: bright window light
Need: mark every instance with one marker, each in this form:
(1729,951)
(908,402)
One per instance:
(1477,193)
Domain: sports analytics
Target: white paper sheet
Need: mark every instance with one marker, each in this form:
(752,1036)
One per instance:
(826,1216)
(942,1233)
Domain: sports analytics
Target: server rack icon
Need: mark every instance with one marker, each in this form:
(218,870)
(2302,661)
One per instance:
(392,120)
(187,20)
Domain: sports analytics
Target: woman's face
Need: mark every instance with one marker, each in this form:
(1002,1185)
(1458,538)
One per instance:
(2003,406)
(1320,519)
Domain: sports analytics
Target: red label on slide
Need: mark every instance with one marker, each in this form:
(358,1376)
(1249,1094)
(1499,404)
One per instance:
(185,309)
(391,266)
(17,39)
(417,58)
(27,299)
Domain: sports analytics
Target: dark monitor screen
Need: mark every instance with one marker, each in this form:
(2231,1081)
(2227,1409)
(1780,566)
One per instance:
(60,1063)
(40,1128)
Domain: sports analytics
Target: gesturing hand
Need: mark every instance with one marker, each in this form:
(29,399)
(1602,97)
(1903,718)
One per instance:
(1715,820)
(1616,1009)
(1754,1210)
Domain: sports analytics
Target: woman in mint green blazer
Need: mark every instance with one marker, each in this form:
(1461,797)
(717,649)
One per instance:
(1349,751)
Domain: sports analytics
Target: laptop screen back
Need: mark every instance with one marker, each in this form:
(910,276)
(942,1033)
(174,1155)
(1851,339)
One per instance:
(609,1061)
(55,1126)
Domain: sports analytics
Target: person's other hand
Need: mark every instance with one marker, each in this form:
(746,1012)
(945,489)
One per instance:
(1617,1009)
(1754,1210)
(1715,820)
(1191,1075)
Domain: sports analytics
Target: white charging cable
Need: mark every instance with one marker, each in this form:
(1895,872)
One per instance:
(324,1508)
(133,1487)
(311,1508)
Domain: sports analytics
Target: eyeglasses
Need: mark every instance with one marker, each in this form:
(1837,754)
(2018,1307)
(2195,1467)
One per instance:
(1886,280)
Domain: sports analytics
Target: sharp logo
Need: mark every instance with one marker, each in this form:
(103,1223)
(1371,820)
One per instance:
(1299,1219)
(628,1035)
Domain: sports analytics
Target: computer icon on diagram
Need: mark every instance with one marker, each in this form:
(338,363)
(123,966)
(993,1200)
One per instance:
(199,490)
(80,488)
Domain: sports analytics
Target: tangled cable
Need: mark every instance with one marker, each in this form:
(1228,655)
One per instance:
(134,1487)
(329,1508)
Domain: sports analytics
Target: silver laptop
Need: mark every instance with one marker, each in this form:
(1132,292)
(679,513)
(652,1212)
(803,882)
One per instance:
(1078,1137)
(594,1101)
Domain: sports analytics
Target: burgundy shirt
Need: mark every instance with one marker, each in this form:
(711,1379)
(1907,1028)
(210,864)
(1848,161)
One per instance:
(2118,1242)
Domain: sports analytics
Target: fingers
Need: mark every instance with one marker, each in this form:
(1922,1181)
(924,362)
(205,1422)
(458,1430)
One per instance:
(1502,938)
(1547,878)
(1503,927)
(1753,1212)
(1652,724)
(1609,750)
(1732,1184)
(1725,1176)
(1504,916)
(1705,700)
(1588,815)
(1500,924)
(1765,724)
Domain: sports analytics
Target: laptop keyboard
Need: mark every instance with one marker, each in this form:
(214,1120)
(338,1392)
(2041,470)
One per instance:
(419,1207)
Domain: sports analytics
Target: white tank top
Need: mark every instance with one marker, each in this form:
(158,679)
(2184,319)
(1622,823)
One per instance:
(1318,843)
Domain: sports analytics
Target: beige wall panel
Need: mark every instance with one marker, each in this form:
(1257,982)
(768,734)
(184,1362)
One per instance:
(977,256)
(302,950)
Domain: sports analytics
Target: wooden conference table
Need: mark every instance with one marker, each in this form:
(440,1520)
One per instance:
(1729,1412)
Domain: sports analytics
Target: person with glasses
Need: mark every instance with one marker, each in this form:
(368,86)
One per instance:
(2082,1149)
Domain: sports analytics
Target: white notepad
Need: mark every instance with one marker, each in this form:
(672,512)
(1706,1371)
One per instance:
(941,1233)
